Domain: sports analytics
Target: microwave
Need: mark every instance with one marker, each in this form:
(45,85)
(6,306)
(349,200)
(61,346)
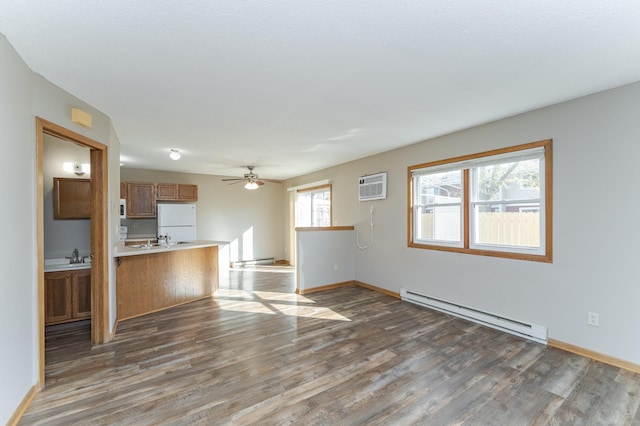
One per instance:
(123,208)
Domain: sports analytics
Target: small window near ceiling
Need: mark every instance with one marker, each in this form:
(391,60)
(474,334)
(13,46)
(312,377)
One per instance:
(313,207)
(495,203)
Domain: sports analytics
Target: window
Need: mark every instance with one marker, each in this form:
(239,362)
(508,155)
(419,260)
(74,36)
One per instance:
(495,203)
(313,206)
(440,207)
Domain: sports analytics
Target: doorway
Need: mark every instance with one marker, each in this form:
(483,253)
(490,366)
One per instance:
(100,328)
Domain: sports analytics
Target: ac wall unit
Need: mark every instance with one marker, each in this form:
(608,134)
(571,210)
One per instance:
(372,187)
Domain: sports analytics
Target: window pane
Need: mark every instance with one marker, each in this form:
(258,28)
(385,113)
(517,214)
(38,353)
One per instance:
(518,180)
(514,225)
(313,208)
(438,223)
(440,188)
(303,210)
(321,211)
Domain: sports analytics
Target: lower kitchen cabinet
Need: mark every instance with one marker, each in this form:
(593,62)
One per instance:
(67,296)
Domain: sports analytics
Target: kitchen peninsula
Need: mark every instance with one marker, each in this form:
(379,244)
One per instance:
(152,277)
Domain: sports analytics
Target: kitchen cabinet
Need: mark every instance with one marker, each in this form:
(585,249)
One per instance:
(71,198)
(81,294)
(57,296)
(141,200)
(142,196)
(67,296)
(149,280)
(177,192)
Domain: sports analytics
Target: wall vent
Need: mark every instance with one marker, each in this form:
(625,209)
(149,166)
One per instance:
(534,332)
(372,187)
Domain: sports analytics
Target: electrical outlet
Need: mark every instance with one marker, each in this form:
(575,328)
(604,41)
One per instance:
(135,224)
(594,319)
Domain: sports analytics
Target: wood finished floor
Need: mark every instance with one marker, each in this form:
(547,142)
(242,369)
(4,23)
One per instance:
(259,354)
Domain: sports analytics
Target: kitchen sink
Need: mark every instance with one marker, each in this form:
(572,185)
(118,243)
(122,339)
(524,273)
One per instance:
(139,246)
(177,243)
(155,245)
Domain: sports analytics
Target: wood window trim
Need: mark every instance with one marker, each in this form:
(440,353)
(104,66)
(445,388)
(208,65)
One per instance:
(315,188)
(547,257)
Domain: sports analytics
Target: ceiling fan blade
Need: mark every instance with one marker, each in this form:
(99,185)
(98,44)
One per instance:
(250,177)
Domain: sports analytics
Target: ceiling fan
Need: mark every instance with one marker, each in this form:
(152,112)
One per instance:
(251,180)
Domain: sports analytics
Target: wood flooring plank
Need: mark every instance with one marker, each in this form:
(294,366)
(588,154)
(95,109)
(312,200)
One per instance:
(257,353)
(599,398)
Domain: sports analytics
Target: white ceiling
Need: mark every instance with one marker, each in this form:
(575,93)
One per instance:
(297,86)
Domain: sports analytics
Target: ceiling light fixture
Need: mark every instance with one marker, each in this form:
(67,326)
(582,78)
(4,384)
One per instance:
(251,185)
(175,154)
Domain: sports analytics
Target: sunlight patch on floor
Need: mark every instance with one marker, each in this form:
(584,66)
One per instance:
(309,312)
(254,307)
(269,302)
(286,297)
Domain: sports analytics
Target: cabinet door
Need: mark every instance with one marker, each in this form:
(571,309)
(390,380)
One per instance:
(123,190)
(71,198)
(81,294)
(141,200)
(188,192)
(57,296)
(167,191)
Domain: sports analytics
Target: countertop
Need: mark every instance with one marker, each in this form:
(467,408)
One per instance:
(62,264)
(121,250)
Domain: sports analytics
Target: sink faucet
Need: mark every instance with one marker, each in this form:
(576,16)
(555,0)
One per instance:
(75,257)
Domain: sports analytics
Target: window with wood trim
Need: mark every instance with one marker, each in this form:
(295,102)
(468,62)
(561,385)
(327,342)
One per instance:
(495,203)
(313,206)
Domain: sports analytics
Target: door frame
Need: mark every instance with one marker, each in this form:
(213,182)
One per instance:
(100,327)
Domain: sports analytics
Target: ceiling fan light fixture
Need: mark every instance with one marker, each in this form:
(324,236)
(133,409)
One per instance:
(251,185)
(175,154)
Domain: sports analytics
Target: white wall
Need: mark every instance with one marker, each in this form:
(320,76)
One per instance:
(595,153)
(324,258)
(62,236)
(26,95)
(250,220)
(17,255)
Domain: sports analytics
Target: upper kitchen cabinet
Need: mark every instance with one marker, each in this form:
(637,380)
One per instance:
(71,198)
(177,192)
(141,199)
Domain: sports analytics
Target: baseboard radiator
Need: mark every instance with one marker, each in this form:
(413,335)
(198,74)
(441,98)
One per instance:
(533,332)
(263,261)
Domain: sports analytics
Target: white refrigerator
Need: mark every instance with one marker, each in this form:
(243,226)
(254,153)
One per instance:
(178,221)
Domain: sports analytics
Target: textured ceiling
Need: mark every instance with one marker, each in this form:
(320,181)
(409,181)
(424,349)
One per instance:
(297,86)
